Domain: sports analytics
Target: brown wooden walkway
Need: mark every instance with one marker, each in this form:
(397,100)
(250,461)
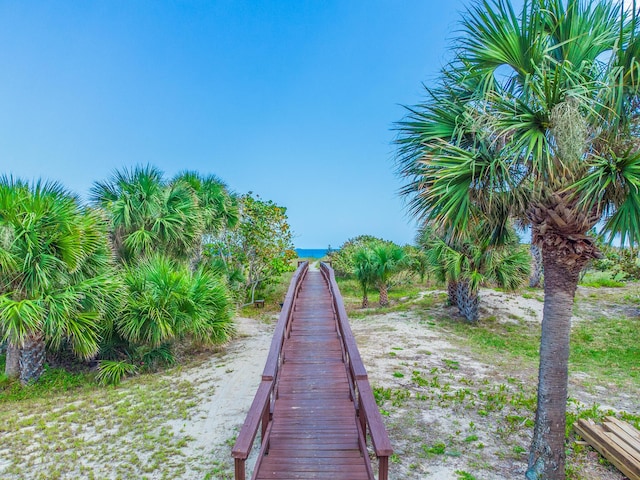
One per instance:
(314,402)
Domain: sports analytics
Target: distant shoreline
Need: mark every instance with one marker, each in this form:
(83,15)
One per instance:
(311,252)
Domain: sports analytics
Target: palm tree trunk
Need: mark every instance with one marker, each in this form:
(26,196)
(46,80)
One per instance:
(452,292)
(12,366)
(196,257)
(467,301)
(32,359)
(547,454)
(365,302)
(384,294)
(536,271)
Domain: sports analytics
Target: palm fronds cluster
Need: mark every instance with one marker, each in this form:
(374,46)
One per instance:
(120,280)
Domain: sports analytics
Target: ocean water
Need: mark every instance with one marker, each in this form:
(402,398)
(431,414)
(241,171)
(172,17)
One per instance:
(311,252)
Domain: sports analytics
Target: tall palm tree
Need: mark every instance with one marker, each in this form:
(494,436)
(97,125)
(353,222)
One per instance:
(55,272)
(537,115)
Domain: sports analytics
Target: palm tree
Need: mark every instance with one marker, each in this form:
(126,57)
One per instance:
(218,206)
(167,302)
(55,272)
(150,215)
(417,262)
(537,268)
(363,268)
(536,117)
(426,239)
(477,259)
(387,260)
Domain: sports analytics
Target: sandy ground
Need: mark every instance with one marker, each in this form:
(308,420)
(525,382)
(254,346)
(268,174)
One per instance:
(395,346)
(226,386)
(450,413)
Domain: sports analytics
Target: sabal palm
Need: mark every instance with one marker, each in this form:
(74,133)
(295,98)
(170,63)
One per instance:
(168,302)
(217,206)
(55,272)
(475,259)
(220,206)
(364,270)
(387,260)
(150,215)
(536,118)
(429,236)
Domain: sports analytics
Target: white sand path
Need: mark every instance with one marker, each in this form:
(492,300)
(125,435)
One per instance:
(226,386)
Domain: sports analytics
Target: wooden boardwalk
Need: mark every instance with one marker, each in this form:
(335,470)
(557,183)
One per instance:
(313,410)
(314,433)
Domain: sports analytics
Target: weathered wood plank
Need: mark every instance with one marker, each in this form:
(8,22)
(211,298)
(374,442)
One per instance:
(598,439)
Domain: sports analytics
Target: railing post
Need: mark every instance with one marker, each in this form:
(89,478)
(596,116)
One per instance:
(383,468)
(240,472)
(266,418)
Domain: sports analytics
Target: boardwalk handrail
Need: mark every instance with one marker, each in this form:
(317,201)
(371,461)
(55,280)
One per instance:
(366,407)
(260,410)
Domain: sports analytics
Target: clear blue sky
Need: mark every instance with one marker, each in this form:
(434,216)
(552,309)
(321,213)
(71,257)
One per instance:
(292,100)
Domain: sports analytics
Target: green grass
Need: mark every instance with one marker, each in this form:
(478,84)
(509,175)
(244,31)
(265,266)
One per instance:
(401,297)
(54,381)
(601,279)
(607,348)
(67,426)
(511,340)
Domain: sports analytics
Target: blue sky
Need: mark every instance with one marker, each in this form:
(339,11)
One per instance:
(292,100)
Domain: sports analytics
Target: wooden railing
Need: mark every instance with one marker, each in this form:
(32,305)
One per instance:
(260,411)
(366,408)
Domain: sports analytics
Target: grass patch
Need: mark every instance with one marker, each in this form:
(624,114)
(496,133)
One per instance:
(601,279)
(95,432)
(53,382)
(608,349)
(605,348)
(519,339)
(401,297)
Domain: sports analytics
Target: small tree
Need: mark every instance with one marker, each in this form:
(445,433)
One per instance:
(342,259)
(261,246)
(363,268)
(417,262)
(387,260)
(476,259)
